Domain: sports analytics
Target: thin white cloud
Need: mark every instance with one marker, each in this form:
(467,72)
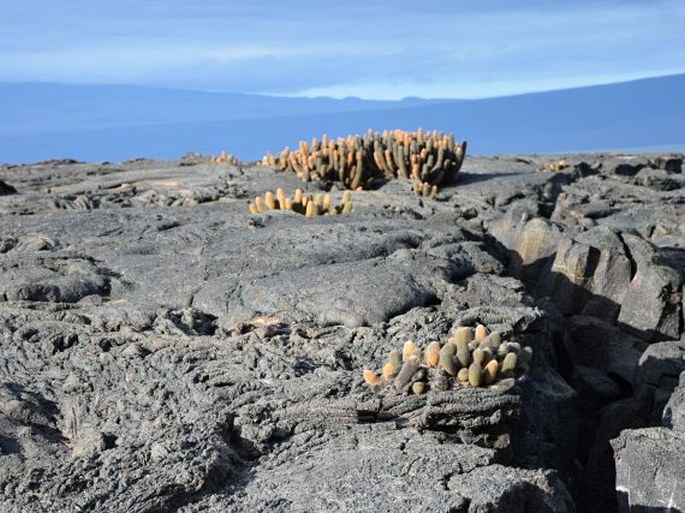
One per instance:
(393,49)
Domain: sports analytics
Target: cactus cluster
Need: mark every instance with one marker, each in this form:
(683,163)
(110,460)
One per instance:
(555,167)
(471,357)
(425,190)
(308,206)
(224,158)
(362,162)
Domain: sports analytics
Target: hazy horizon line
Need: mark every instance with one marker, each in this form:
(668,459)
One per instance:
(340,97)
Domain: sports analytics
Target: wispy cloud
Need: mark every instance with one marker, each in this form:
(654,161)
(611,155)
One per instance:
(371,49)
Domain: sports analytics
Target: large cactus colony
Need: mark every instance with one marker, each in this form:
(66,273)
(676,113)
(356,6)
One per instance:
(362,162)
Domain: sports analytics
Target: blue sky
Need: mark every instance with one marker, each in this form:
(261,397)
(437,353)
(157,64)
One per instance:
(371,49)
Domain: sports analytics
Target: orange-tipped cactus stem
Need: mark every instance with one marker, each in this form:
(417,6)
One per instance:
(370,378)
(269,200)
(408,350)
(260,204)
(388,371)
(433,354)
(490,372)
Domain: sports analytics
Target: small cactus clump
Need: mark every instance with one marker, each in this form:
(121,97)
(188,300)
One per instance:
(223,158)
(555,167)
(474,357)
(308,206)
(362,162)
(425,190)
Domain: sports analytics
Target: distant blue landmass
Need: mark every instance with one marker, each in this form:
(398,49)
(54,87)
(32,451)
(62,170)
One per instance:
(114,123)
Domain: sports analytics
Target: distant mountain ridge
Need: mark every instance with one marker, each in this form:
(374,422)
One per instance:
(96,123)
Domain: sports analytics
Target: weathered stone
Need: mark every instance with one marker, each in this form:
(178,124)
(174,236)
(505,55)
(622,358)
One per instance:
(652,304)
(662,363)
(656,453)
(672,164)
(674,412)
(592,342)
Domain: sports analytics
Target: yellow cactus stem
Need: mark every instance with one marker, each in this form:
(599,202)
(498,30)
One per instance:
(388,371)
(490,372)
(479,356)
(475,375)
(509,364)
(463,375)
(418,388)
(462,336)
(327,203)
(253,209)
(487,355)
(464,357)
(377,160)
(408,350)
(433,354)
(310,209)
(481,332)
(260,204)
(282,200)
(269,200)
(298,196)
(371,378)
(447,360)
(304,149)
(496,338)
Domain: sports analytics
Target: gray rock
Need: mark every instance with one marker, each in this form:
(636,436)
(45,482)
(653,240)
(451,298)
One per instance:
(654,452)
(6,188)
(674,412)
(163,350)
(653,300)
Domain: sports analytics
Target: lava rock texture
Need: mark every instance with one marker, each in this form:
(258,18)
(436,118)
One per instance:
(163,350)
